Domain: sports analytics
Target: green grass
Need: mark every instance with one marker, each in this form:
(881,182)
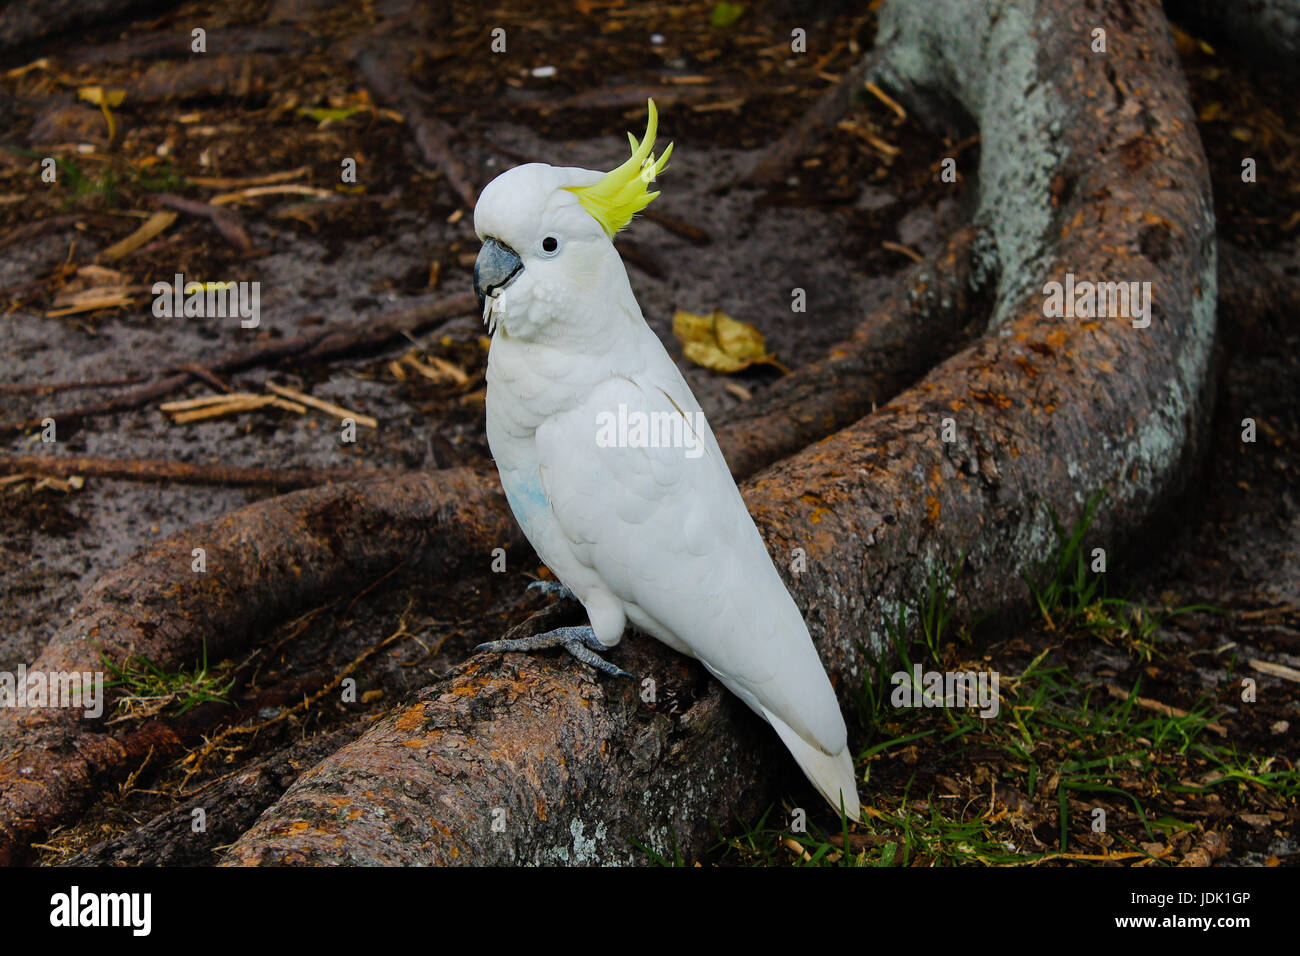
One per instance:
(1055,739)
(934,619)
(658,859)
(936,609)
(1072,599)
(1059,732)
(1242,771)
(105,187)
(901,834)
(150,690)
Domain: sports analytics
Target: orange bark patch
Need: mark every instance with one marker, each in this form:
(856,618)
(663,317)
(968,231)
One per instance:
(993,399)
(1026,366)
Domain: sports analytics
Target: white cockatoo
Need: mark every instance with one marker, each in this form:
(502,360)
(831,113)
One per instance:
(611,469)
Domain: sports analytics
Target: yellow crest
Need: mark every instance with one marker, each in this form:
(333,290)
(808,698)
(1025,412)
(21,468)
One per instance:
(622,194)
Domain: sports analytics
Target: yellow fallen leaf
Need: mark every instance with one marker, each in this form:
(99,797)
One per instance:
(720,343)
(101,97)
(104,99)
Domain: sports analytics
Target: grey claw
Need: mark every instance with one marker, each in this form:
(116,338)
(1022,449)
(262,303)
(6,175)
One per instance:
(580,642)
(552,589)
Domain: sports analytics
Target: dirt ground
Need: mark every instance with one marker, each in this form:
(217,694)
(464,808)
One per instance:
(843,227)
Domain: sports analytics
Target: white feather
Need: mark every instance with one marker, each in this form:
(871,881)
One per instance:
(651,535)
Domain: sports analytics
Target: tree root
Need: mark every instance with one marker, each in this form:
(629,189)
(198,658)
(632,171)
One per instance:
(285,479)
(263,562)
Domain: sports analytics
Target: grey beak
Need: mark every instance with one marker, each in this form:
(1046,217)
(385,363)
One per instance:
(496,265)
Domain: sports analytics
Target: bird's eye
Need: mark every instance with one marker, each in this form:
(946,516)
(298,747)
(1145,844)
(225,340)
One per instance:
(550,245)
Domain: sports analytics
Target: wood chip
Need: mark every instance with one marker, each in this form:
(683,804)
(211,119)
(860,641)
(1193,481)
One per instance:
(1276,670)
(66,485)
(1156,706)
(889,101)
(196,409)
(16,72)
(203,400)
(244,404)
(436,369)
(794,847)
(154,225)
(731,104)
(270,179)
(337,411)
(88,300)
(896,247)
(226,199)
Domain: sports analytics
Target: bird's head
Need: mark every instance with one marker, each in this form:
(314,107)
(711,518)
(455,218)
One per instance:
(547,236)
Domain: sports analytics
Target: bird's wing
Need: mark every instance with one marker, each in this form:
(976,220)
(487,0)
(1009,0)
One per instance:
(667,531)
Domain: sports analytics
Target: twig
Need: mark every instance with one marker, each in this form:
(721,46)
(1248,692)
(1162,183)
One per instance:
(679,227)
(381,63)
(316,346)
(186,473)
(223,182)
(29,388)
(1157,707)
(198,371)
(177,44)
(885,98)
(337,411)
(902,250)
(1275,670)
(233,405)
(283,189)
(30,230)
(227,222)
(771,163)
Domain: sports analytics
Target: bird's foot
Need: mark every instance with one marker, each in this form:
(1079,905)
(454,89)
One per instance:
(552,589)
(581,642)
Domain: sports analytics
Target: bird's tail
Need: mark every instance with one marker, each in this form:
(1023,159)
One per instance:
(833,776)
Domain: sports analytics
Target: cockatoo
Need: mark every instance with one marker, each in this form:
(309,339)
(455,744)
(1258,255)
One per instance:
(612,470)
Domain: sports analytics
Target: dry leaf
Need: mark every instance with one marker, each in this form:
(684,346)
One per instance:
(104,99)
(720,343)
(100,96)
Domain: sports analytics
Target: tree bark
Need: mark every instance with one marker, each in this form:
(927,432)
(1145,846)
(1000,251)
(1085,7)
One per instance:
(27,22)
